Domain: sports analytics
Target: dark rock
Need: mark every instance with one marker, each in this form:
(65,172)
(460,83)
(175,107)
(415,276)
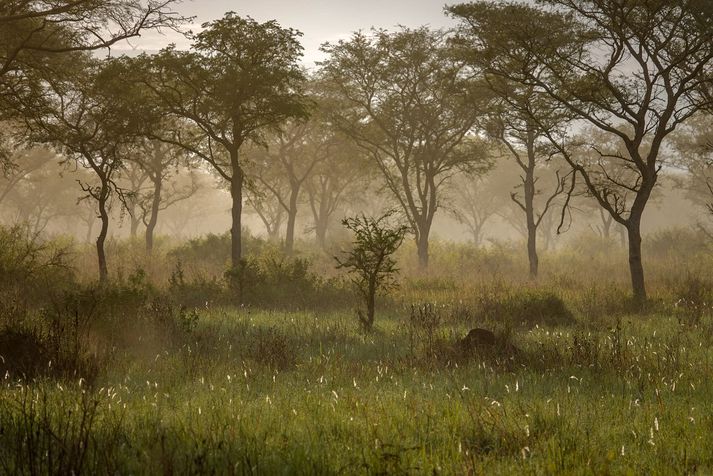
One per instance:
(479,340)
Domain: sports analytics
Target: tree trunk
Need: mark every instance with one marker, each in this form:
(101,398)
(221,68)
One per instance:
(291,220)
(236,193)
(422,247)
(101,239)
(135,221)
(320,231)
(90,229)
(153,220)
(529,187)
(477,231)
(320,212)
(607,221)
(636,266)
(368,322)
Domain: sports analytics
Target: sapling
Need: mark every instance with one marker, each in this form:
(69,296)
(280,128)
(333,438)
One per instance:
(370,263)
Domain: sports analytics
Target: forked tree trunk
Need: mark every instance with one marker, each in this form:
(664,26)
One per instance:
(320,213)
(607,221)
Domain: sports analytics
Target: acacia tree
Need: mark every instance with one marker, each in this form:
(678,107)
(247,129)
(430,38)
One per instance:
(32,29)
(264,203)
(476,200)
(45,194)
(78,117)
(158,163)
(631,68)
(408,108)
(135,178)
(240,79)
(292,154)
(518,117)
(522,139)
(338,179)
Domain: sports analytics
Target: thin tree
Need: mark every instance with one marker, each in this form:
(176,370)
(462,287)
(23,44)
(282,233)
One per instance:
(476,200)
(292,154)
(338,180)
(160,165)
(265,205)
(78,117)
(693,146)
(370,261)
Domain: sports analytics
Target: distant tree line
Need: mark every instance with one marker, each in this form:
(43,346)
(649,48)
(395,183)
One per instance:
(589,100)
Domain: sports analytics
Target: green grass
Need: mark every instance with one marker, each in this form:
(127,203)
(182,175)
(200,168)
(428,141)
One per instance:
(302,393)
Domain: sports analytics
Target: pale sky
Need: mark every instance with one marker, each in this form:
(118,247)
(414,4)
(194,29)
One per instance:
(318,20)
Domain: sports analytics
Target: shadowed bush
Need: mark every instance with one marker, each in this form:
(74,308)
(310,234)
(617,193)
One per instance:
(526,308)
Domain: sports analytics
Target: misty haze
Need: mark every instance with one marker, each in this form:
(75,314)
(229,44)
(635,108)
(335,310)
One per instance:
(278,237)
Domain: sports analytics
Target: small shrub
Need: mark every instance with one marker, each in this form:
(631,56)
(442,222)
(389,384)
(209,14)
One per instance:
(370,262)
(694,300)
(527,308)
(198,291)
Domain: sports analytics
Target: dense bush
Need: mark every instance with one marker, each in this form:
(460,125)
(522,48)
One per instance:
(528,308)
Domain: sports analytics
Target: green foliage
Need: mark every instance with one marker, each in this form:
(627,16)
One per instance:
(370,263)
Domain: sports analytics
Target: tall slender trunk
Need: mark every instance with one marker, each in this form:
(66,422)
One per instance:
(529,187)
(153,219)
(477,232)
(236,194)
(103,232)
(291,219)
(636,266)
